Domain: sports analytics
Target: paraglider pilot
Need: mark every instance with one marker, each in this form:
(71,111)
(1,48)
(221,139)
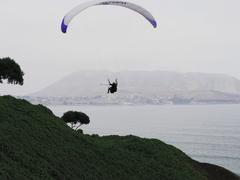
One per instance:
(112,86)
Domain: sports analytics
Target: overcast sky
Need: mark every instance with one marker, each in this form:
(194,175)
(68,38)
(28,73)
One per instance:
(192,36)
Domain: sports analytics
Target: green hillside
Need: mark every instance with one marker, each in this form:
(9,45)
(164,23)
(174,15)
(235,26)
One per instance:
(35,144)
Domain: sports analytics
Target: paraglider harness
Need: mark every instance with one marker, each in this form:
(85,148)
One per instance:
(112,86)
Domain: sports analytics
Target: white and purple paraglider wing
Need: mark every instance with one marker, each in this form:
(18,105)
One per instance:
(75,11)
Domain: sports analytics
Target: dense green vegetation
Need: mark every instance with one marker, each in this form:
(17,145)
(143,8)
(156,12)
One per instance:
(10,71)
(35,144)
(76,119)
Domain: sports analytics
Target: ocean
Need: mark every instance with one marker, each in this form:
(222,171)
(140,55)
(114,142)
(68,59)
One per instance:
(207,133)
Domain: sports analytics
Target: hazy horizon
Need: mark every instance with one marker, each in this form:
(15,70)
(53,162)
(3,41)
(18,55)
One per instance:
(200,36)
(16,90)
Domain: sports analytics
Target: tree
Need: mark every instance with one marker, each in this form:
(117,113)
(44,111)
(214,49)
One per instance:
(76,119)
(11,71)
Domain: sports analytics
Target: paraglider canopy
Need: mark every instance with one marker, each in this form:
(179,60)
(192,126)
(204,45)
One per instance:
(75,11)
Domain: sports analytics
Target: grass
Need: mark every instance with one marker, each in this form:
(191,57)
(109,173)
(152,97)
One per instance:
(35,144)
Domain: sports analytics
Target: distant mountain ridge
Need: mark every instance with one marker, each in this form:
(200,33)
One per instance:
(148,84)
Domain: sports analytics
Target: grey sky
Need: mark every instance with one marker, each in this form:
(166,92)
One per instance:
(200,36)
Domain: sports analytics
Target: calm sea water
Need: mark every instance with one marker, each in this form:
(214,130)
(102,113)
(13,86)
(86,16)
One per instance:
(207,133)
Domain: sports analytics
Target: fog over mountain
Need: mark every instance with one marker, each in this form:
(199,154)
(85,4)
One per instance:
(147,83)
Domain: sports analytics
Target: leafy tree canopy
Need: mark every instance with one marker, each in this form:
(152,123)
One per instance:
(76,119)
(11,71)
